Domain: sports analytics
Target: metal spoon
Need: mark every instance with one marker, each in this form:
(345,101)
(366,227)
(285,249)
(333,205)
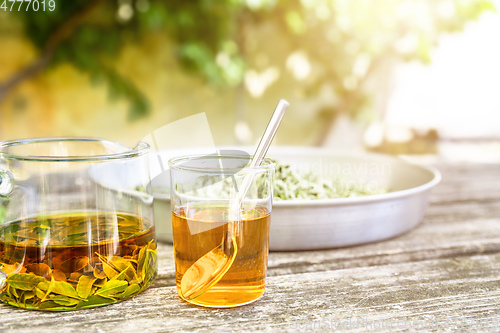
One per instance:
(211,267)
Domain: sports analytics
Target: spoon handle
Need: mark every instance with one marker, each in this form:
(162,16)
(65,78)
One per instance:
(261,151)
(269,134)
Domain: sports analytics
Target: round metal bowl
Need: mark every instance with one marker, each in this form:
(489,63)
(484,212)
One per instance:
(328,223)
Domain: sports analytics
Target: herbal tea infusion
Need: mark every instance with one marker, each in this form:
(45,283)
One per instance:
(75,260)
(244,282)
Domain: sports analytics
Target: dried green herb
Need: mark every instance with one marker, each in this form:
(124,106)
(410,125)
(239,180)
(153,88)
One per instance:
(288,184)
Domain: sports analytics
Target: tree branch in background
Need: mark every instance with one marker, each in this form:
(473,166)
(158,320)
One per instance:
(62,33)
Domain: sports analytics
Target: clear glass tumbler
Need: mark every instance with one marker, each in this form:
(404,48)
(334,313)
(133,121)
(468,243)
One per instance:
(76,223)
(221,243)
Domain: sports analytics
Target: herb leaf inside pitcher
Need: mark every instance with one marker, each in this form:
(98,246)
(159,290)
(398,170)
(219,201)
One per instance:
(76,260)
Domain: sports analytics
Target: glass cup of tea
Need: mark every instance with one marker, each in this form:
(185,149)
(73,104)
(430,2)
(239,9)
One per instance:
(76,223)
(221,236)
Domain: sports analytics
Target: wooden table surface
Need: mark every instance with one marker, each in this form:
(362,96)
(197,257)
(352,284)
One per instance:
(444,275)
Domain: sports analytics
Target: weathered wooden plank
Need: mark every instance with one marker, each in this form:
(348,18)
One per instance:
(473,182)
(420,244)
(449,294)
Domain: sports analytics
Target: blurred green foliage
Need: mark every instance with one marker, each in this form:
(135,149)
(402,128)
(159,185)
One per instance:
(342,40)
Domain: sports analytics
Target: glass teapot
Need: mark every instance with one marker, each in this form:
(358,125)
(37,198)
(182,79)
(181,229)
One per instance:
(76,223)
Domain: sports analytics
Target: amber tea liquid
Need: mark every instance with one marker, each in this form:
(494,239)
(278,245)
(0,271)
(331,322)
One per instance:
(75,260)
(244,282)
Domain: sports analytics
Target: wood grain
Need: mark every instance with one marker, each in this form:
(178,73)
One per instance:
(441,276)
(452,293)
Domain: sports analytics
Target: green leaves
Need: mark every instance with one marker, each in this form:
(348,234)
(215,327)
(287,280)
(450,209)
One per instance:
(129,291)
(84,287)
(65,289)
(149,267)
(63,300)
(112,287)
(336,35)
(125,278)
(31,291)
(24,281)
(94,300)
(72,278)
(46,287)
(122,88)
(92,47)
